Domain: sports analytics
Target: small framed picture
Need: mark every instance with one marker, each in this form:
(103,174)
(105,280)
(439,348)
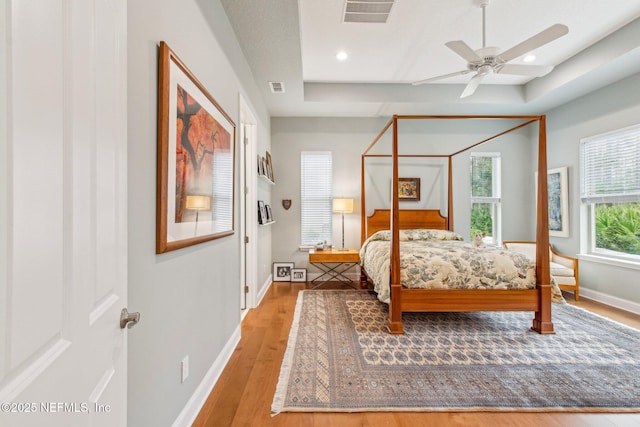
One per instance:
(409,189)
(262,213)
(299,275)
(269,167)
(260,166)
(269,213)
(282,271)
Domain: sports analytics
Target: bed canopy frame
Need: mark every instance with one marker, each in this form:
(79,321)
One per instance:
(403,299)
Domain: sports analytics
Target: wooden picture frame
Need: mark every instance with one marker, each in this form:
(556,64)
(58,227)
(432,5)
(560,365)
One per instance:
(299,275)
(409,189)
(196,158)
(282,271)
(269,167)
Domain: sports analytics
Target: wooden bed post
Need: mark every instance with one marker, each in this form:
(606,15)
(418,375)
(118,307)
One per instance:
(450,195)
(395,308)
(363,212)
(542,319)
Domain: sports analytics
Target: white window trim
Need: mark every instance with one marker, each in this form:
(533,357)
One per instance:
(496,239)
(588,249)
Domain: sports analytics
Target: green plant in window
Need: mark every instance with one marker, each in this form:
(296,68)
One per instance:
(618,227)
(481,220)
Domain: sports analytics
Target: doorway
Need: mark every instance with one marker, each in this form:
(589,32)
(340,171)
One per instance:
(248,220)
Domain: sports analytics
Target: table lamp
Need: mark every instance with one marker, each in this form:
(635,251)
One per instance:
(342,206)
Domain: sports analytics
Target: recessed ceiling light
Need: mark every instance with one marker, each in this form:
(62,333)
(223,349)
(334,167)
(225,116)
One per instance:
(342,55)
(529,58)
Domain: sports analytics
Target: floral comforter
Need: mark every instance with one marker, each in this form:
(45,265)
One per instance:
(441,259)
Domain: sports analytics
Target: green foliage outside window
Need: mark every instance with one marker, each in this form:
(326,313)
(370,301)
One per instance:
(482,187)
(481,220)
(618,227)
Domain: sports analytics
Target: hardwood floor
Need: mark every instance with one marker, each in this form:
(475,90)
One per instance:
(243,394)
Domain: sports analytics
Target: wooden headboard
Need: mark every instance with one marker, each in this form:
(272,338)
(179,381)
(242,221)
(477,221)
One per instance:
(409,219)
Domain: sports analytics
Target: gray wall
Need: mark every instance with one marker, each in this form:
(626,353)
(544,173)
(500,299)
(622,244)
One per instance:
(190,298)
(613,107)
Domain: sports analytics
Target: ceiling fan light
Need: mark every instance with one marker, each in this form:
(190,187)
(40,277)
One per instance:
(529,58)
(484,70)
(342,56)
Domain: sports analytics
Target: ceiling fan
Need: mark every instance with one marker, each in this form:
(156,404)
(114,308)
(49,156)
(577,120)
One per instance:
(488,59)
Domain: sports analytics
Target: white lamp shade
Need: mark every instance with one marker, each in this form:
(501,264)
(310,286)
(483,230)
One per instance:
(343,206)
(198,201)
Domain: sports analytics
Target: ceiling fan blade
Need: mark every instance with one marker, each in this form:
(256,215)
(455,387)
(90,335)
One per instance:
(463,49)
(445,76)
(525,70)
(472,85)
(542,38)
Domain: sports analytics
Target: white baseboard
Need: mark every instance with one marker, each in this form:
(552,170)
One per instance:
(191,410)
(616,302)
(263,290)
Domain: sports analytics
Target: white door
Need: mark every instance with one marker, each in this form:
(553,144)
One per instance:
(63,228)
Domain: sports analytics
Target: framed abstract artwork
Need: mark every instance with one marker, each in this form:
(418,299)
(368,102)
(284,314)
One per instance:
(196,157)
(558,193)
(409,189)
(558,202)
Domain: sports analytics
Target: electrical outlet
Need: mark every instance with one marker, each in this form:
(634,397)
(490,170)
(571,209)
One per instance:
(184,368)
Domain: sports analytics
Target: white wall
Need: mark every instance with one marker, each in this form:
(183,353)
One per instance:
(613,107)
(189,299)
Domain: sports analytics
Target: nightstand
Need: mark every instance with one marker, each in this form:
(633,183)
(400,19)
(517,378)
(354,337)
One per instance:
(334,263)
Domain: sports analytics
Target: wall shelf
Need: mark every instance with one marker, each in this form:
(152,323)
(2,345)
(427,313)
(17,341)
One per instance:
(265,168)
(266,178)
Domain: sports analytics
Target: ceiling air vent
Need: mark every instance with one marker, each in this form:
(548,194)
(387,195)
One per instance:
(276,87)
(370,11)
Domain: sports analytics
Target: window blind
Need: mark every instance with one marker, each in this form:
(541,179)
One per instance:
(610,167)
(485,177)
(316,171)
(222,209)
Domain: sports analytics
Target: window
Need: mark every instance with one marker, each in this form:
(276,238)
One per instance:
(316,170)
(610,191)
(222,191)
(485,196)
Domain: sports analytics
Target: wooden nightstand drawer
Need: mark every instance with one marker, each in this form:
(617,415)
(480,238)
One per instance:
(334,255)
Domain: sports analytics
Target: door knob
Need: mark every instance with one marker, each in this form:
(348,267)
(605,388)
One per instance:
(128,319)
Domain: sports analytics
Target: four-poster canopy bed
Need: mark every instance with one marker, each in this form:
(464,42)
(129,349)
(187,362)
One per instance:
(536,299)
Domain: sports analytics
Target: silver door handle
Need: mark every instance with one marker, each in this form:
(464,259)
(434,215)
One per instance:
(128,319)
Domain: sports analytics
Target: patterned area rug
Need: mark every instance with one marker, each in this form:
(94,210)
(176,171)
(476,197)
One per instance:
(341,359)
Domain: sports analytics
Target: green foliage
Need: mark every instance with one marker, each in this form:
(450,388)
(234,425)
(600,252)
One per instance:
(481,219)
(618,227)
